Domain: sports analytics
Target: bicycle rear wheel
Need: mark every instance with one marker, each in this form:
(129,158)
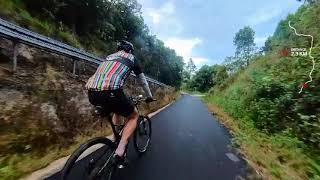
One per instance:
(85,164)
(142,135)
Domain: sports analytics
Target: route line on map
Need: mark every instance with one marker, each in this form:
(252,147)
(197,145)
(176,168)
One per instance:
(310,55)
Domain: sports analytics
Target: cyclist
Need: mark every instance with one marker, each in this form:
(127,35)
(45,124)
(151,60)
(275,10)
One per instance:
(105,88)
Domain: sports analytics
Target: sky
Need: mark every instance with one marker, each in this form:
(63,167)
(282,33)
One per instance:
(204,29)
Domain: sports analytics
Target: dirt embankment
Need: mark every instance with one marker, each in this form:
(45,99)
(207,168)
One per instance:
(45,110)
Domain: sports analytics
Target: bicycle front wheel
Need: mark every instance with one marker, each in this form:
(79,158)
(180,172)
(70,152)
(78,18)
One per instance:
(142,135)
(92,160)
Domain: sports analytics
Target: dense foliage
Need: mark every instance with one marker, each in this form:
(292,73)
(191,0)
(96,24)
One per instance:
(206,77)
(96,25)
(267,91)
(264,96)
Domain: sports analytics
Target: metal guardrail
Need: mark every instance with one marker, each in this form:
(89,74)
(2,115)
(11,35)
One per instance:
(21,35)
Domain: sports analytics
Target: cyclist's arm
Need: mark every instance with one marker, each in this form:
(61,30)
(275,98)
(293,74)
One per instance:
(144,83)
(141,78)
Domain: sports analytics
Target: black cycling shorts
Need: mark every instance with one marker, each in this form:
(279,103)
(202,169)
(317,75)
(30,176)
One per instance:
(112,101)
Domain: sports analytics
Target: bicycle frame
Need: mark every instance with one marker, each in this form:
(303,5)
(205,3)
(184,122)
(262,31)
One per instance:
(113,127)
(104,113)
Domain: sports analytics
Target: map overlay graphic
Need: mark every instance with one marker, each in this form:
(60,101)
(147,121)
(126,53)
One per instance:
(305,85)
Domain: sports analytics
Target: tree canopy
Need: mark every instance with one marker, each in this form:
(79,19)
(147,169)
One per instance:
(190,67)
(245,46)
(207,77)
(98,25)
(245,50)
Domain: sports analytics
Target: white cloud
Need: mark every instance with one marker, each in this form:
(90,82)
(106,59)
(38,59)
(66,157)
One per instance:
(162,20)
(168,8)
(199,61)
(183,47)
(158,15)
(260,40)
(145,2)
(264,15)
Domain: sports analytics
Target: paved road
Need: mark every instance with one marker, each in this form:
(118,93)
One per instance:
(187,144)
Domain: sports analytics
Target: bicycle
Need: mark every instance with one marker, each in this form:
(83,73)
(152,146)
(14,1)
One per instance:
(104,165)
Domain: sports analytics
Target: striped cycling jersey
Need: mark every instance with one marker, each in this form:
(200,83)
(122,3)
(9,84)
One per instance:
(113,72)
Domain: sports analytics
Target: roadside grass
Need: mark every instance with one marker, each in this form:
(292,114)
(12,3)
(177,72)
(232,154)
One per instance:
(14,166)
(278,156)
(176,95)
(70,38)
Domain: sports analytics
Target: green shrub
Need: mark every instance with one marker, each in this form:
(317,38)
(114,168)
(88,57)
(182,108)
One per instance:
(69,38)
(267,92)
(8,172)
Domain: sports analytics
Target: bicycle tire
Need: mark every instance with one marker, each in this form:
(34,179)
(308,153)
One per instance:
(71,162)
(143,120)
(109,165)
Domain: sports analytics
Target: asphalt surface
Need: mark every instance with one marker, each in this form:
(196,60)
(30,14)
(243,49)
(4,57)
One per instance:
(188,143)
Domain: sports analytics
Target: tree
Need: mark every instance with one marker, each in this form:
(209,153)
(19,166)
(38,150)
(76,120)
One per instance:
(308,1)
(245,46)
(188,70)
(207,77)
(98,24)
(186,76)
(203,79)
(267,45)
(232,64)
(219,74)
(191,67)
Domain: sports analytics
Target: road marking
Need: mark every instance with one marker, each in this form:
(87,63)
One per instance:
(304,85)
(232,157)
(198,95)
(159,110)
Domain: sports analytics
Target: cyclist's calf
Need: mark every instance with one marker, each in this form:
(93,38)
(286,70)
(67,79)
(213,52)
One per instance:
(130,125)
(127,132)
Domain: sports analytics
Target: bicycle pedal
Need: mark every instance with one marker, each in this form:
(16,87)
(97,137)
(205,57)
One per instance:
(123,164)
(120,166)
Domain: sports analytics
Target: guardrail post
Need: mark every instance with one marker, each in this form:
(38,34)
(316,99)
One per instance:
(74,66)
(15,54)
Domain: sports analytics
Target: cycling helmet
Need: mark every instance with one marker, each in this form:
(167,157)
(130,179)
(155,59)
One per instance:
(126,46)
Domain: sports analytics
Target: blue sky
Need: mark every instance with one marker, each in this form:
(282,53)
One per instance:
(204,29)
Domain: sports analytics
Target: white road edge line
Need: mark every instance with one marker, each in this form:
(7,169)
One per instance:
(310,55)
(57,165)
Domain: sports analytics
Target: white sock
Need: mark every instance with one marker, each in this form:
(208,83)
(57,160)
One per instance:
(121,148)
(113,138)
